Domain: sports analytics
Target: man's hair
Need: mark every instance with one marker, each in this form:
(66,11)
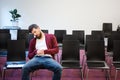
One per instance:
(32,26)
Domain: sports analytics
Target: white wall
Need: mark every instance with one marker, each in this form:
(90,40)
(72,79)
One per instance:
(62,14)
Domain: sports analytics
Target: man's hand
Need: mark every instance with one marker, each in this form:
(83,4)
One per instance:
(40,52)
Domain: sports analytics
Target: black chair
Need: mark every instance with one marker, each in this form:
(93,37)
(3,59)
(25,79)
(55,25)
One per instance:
(101,34)
(16,57)
(96,56)
(23,34)
(71,56)
(92,37)
(116,56)
(59,36)
(107,29)
(30,36)
(80,35)
(44,31)
(3,40)
(98,33)
(70,37)
(4,31)
(114,36)
(3,43)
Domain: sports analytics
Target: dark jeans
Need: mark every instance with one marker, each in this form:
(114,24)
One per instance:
(39,62)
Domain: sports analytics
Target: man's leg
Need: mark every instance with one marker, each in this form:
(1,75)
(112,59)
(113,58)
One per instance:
(54,66)
(30,66)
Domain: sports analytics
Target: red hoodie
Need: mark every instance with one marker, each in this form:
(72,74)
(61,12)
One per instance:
(52,46)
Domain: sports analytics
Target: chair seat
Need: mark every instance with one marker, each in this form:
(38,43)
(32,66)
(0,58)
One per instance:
(99,64)
(71,65)
(95,64)
(15,65)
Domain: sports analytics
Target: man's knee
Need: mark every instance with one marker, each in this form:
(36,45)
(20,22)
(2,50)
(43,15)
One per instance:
(25,67)
(59,69)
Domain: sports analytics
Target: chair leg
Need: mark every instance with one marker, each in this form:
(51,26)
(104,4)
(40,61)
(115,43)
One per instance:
(3,74)
(116,74)
(81,72)
(108,72)
(84,71)
(111,59)
(31,75)
(58,58)
(107,75)
(87,74)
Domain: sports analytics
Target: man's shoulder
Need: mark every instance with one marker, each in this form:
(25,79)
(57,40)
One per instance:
(50,36)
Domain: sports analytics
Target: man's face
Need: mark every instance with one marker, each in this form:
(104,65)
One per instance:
(37,32)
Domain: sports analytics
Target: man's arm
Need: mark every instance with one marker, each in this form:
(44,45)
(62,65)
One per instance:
(52,46)
(32,51)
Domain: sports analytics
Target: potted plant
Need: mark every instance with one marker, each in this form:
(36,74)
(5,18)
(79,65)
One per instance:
(15,17)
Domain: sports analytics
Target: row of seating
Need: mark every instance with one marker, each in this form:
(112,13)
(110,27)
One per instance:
(95,56)
(80,35)
(70,46)
(107,29)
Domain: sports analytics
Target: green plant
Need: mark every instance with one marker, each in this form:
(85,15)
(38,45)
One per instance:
(15,16)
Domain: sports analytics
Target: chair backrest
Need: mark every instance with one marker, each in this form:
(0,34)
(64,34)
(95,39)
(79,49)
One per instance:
(95,50)
(92,38)
(107,29)
(16,50)
(30,36)
(80,35)
(44,30)
(98,33)
(23,34)
(70,37)
(115,35)
(59,35)
(4,37)
(4,31)
(70,50)
(116,50)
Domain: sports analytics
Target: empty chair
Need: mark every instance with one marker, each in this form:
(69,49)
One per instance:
(16,57)
(93,38)
(114,36)
(70,37)
(71,56)
(4,37)
(96,56)
(101,34)
(116,56)
(98,33)
(107,29)
(23,34)
(30,36)
(4,31)
(80,35)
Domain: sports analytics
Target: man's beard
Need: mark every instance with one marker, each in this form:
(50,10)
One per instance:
(38,37)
